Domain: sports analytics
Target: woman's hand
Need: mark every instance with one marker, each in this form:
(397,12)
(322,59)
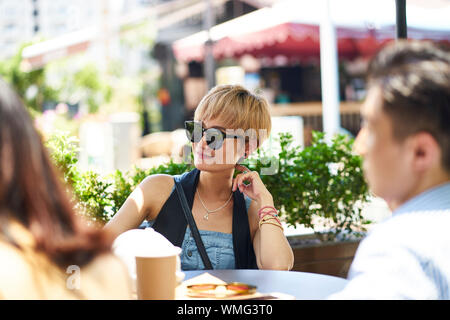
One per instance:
(255,189)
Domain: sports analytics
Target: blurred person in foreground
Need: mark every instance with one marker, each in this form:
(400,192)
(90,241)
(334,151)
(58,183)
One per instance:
(405,143)
(237,222)
(46,252)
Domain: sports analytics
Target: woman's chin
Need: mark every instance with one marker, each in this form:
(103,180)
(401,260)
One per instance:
(211,165)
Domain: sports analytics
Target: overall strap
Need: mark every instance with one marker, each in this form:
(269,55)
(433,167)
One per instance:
(193,226)
(243,247)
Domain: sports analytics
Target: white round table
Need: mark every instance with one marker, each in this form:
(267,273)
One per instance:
(301,285)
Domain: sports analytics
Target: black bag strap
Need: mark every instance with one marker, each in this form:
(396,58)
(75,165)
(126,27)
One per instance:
(193,226)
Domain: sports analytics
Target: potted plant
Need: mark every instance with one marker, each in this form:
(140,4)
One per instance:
(320,187)
(98,197)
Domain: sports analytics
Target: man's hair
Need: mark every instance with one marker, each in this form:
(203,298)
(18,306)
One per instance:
(414,77)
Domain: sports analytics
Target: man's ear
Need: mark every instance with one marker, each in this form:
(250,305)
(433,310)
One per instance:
(426,152)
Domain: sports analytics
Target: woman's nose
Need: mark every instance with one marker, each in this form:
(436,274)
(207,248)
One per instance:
(203,142)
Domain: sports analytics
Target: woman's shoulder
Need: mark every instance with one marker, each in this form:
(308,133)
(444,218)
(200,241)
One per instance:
(106,277)
(105,261)
(158,177)
(13,248)
(161,179)
(15,272)
(29,275)
(156,189)
(26,273)
(158,183)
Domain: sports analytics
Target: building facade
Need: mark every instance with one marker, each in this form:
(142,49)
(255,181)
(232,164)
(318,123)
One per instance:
(24,21)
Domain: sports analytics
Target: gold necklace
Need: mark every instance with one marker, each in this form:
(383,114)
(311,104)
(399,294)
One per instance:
(206,216)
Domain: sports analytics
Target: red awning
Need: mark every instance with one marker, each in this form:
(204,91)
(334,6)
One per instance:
(268,33)
(292,40)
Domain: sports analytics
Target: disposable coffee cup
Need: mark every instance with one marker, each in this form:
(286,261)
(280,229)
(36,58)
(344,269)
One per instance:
(156,275)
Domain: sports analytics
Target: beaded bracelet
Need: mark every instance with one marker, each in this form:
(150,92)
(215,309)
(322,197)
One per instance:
(272,212)
(272,209)
(272,216)
(268,218)
(270,222)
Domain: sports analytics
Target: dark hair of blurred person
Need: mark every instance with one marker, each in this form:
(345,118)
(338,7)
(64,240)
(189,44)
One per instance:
(37,220)
(414,80)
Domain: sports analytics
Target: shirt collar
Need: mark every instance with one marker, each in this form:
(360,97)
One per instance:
(434,199)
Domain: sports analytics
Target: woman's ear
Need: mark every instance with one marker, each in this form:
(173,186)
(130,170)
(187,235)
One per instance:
(244,156)
(250,148)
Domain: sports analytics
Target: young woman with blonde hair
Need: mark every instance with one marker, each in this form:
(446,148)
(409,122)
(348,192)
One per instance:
(237,222)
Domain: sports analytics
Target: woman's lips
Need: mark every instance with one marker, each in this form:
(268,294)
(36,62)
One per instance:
(202,155)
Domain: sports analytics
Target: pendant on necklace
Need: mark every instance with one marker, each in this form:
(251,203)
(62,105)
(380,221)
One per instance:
(206,216)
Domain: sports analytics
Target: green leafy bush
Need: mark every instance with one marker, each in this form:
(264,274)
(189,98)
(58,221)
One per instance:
(320,186)
(98,197)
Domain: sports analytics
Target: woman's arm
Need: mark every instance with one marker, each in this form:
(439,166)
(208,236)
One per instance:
(144,202)
(271,247)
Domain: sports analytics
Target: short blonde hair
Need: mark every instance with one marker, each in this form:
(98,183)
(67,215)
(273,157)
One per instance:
(238,108)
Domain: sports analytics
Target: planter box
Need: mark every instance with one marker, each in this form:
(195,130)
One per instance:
(331,258)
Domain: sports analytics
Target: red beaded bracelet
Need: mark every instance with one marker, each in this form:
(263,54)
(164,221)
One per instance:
(267,207)
(272,212)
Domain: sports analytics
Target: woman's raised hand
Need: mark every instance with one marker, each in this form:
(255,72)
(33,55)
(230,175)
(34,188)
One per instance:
(255,188)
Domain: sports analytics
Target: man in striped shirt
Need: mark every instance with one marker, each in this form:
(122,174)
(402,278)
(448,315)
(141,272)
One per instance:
(405,144)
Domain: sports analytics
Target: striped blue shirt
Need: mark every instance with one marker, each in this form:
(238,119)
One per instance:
(406,256)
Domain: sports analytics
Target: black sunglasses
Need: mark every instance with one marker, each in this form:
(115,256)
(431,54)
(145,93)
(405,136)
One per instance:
(214,136)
